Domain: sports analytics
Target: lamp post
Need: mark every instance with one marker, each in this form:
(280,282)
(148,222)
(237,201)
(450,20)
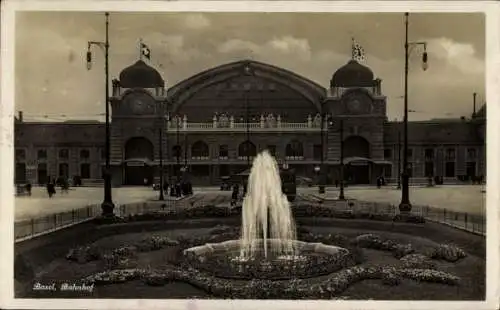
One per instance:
(321,187)
(405,205)
(247,121)
(160,143)
(399,159)
(177,149)
(107,205)
(341,193)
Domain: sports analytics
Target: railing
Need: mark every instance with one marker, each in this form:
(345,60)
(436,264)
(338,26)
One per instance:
(475,223)
(26,229)
(37,226)
(242,126)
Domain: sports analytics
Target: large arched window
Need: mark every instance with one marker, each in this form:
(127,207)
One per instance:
(139,148)
(294,150)
(200,150)
(247,149)
(356,146)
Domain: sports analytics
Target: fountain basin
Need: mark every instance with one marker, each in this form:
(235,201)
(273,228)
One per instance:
(309,260)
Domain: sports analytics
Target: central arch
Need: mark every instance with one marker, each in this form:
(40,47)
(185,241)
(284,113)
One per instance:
(184,90)
(138,155)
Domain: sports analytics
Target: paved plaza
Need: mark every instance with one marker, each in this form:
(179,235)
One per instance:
(466,198)
(458,198)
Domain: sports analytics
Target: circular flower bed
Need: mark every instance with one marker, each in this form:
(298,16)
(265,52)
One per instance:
(306,264)
(265,289)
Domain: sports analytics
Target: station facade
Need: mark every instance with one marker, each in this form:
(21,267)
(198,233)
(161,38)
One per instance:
(212,124)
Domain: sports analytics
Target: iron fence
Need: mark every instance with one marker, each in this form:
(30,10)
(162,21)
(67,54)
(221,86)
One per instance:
(475,223)
(32,227)
(29,228)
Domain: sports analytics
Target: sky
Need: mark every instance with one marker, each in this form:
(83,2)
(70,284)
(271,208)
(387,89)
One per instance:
(53,83)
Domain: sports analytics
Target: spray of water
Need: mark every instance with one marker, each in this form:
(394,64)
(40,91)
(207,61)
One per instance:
(265,207)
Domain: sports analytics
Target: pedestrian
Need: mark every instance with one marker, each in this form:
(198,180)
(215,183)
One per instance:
(28,188)
(234,195)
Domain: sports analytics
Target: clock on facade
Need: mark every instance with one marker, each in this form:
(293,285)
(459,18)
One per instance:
(357,103)
(140,103)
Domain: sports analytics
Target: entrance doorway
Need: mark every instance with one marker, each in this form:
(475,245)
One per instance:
(358,173)
(357,158)
(139,154)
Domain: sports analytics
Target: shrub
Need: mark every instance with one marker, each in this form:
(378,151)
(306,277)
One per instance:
(84,254)
(448,252)
(401,250)
(155,243)
(417,261)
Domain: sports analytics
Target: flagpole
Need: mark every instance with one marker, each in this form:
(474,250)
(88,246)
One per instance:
(352,48)
(140,48)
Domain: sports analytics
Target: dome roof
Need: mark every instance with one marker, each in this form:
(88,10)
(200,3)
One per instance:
(140,75)
(352,74)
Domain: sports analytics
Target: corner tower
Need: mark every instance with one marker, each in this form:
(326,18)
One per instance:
(139,111)
(356,102)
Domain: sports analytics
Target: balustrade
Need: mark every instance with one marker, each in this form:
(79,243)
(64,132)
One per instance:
(228,123)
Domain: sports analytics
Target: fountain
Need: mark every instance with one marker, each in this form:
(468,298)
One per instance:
(266,216)
(268,247)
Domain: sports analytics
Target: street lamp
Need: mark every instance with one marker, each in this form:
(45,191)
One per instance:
(399,159)
(177,149)
(160,144)
(321,185)
(341,194)
(107,205)
(405,205)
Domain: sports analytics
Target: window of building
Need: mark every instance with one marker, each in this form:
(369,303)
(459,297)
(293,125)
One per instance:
(387,153)
(223,151)
(85,171)
(20,173)
(103,153)
(429,169)
(387,172)
(429,154)
(247,149)
(470,169)
(42,173)
(63,170)
(449,169)
(450,154)
(20,154)
(41,154)
(272,149)
(294,150)
(84,154)
(410,170)
(471,153)
(410,153)
(63,153)
(317,150)
(200,150)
